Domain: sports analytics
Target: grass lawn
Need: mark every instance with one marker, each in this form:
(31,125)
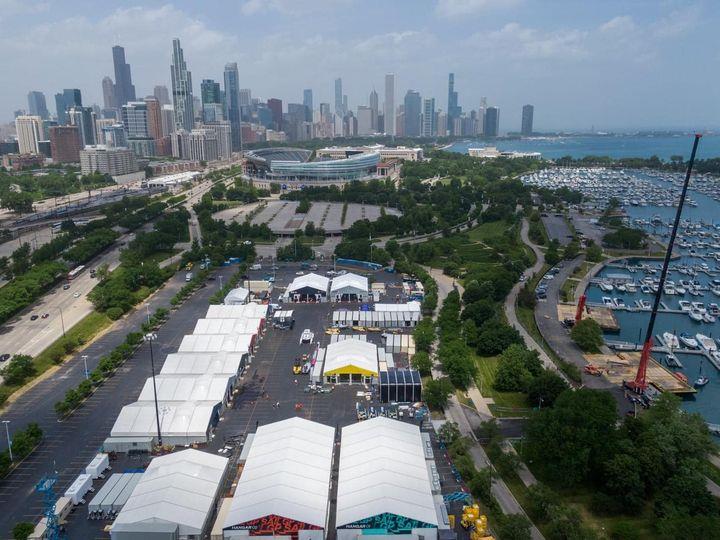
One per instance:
(160,256)
(489,230)
(79,334)
(506,403)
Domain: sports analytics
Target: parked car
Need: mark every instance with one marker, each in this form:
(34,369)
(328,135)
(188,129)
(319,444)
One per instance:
(4,357)
(45,315)
(66,287)
(33,317)
(307,336)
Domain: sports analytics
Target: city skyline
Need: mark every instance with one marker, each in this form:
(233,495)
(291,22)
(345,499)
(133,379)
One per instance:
(514,56)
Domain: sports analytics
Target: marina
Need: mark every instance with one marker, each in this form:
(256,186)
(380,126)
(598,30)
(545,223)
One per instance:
(690,300)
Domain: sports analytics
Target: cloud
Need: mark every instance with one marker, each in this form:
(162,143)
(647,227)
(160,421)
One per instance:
(291,7)
(677,23)
(461,8)
(11,8)
(522,43)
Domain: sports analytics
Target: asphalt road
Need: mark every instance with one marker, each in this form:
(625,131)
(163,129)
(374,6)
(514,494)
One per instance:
(557,229)
(70,444)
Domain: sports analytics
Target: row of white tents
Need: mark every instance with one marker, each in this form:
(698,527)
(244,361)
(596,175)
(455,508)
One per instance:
(317,288)
(194,384)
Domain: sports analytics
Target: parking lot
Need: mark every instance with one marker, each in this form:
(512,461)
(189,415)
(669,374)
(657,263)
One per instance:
(557,228)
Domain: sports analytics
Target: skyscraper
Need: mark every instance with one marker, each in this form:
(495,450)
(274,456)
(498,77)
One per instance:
(364,120)
(308,102)
(211,101)
(412,114)
(428,124)
(339,97)
(389,106)
(37,105)
(161,93)
(65,144)
(108,93)
(453,109)
(276,106)
(124,88)
(154,117)
(373,101)
(82,117)
(181,88)
(70,97)
(527,120)
(491,125)
(29,132)
(232,105)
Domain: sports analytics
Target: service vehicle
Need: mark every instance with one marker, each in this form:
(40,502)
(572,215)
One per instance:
(188,276)
(307,336)
(297,366)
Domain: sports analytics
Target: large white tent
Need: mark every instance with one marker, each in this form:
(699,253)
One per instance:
(413,306)
(251,310)
(286,475)
(176,494)
(228,326)
(309,287)
(350,361)
(383,481)
(219,363)
(232,343)
(215,388)
(349,287)
(180,423)
(239,295)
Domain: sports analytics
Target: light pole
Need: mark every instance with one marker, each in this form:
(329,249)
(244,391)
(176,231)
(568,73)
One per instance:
(62,320)
(220,278)
(85,357)
(150,337)
(147,311)
(7,433)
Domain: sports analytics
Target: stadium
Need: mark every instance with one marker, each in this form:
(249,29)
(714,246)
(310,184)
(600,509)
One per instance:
(291,168)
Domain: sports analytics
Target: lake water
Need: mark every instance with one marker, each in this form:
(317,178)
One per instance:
(616,146)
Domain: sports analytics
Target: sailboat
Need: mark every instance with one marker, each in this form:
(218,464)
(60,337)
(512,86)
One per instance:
(702,380)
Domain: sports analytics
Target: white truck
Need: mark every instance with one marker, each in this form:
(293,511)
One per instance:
(188,276)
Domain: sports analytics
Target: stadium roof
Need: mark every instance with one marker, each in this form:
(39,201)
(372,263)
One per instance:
(313,281)
(177,488)
(287,474)
(382,469)
(361,355)
(353,281)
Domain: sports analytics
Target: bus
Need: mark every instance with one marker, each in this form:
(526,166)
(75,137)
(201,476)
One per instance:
(75,272)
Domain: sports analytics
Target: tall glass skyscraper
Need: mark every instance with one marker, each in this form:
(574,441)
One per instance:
(339,98)
(428,123)
(527,120)
(412,113)
(37,105)
(181,88)
(232,104)
(389,107)
(491,125)
(124,88)
(453,108)
(308,102)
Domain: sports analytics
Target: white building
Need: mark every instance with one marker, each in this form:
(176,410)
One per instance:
(284,487)
(491,152)
(198,144)
(29,134)
(398,152)
(349,288)
(223,137)
(308,288)
(237,296)
(174,498)
(350,361)
(384,486)
(112,161)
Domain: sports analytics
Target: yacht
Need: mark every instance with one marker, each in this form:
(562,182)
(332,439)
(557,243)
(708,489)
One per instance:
(702,380)
(698,306)
(644,304)
(608,301)
(689,341)
(696,316)
(671,340)
(645,289)
(606,287)
(620,287)
(706,342)
(619,302)
(685,305)
(708,318)
(680,290)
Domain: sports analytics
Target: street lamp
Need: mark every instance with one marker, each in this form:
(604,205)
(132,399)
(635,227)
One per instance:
(85,357)
(7,433)
(150,337)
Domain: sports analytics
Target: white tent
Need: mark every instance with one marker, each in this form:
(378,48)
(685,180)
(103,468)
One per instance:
(312,287)
(220,363)
(251,310)
(349,287)
(234,343)
(237,296)
(176,490)
(382,470)
(350,360)
(287,474)
(228,326)
(180,423)
(187,388)
(409,306)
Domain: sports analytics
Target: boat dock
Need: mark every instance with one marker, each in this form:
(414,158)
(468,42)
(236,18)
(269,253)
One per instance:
(623,366)
(662,348)
(600,314)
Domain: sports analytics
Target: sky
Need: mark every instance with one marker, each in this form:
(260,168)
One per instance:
(602,64)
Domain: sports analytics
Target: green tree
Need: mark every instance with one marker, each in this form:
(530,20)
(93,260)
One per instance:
(22,530)
(457,362)
(421,361)
(552,256)
(517,368)
(545,388)
(514,527)
(436,392)
(593,253)
(495,336)
(18,369)
(303,207)
(16,201)
(424,334)
(588,335)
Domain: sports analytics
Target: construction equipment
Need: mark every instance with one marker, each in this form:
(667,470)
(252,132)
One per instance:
(592,369)
(474,522)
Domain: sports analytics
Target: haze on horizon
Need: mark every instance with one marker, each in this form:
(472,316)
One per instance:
(611,65)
